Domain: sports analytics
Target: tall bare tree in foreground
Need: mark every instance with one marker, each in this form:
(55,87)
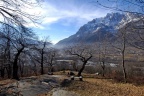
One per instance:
(19,43)
(83,52)
(15,17)
(5,44)
(16,41)
(120,44)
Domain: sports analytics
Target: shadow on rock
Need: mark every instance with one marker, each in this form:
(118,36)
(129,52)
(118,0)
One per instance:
(66,83)
(3,94)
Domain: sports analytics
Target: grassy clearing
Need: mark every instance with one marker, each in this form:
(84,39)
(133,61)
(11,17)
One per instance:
(103,87)
(91,86)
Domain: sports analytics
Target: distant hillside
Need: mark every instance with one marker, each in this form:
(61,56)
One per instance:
(96,29)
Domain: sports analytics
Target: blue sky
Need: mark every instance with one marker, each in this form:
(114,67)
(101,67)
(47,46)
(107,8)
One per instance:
(63,18)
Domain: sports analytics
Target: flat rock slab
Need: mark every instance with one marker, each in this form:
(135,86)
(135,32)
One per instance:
(31,86)
(64,93)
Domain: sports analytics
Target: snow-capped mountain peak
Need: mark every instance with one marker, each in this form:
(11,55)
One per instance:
(100,26)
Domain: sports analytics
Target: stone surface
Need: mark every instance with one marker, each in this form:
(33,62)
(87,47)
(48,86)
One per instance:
(31,86)
(61,92)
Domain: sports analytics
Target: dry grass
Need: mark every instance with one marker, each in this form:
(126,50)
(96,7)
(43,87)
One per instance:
(8,81)
(102,87)
(97,87)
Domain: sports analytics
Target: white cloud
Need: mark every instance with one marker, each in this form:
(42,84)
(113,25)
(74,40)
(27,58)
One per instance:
(53,12)
(48,20)
(70,12)
(66,13)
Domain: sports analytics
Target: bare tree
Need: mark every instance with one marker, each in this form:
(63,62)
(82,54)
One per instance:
(132,6)
(120,44)
(24,60)
(41,50)
(33,60)
(103,52)
(136,34)
(19,43)
(12,11)
(52,53)
(5,33)
(83,52)
(75,66)
(14,33)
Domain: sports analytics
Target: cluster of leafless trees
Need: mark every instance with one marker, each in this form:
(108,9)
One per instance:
(129,36)
(132,34)
(19,48)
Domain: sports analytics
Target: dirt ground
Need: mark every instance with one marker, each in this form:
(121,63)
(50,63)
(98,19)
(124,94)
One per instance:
(90,87)
(102,87)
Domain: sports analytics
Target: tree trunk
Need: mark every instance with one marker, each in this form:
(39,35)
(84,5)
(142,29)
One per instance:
(81,70)
(8,69)
(2,73)
(35,70)
(42,71)
(123,59)
(51,69)
(15,69)
(83,66)
(15,65)
(103,68)
(123,65)
(21,68)
(75,67)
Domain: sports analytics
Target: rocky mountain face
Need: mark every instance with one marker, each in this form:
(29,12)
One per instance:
(98,28)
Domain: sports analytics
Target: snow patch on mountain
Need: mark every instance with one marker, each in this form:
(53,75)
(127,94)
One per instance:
(109,24)
(98,28)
